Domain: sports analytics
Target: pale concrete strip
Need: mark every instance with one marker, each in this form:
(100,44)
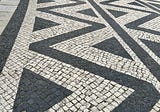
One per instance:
(7,8)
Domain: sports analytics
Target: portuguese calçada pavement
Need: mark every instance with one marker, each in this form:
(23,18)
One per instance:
(79,56)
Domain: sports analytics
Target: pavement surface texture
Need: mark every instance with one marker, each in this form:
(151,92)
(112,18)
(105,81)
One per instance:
(7,8)
(79,56)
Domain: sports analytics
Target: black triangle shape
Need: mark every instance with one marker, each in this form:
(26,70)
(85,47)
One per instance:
(113,46)
(43,23)
(117,13)
(44,1)
(107,2)
(37,94)
(154,46)
(136,4)
(89,12)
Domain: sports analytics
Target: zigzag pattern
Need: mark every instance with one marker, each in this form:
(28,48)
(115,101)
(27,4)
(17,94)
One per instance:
(83,56)
(43,47)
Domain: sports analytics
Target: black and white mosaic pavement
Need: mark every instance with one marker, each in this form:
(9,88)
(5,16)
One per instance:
(81,56)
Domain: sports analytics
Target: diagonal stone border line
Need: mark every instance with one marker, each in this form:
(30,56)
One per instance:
(8,36)
(47,57)
(140,52)
(42,47)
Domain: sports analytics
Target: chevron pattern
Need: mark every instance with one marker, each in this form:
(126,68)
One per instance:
(82,55)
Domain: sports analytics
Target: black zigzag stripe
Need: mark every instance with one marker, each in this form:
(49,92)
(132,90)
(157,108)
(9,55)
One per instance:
(145,92)
(150,6)
(135,24)
(125,7)
(141,53)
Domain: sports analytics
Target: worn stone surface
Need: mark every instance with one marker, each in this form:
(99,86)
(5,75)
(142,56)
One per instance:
(79,56)
(7,8)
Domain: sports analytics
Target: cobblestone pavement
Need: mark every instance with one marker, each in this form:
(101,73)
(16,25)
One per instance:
(81,56)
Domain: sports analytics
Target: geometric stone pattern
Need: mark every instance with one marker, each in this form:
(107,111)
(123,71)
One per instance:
(111,45)
(89,12)
(42,24)
(35,93)
(81,56)
(117,13)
